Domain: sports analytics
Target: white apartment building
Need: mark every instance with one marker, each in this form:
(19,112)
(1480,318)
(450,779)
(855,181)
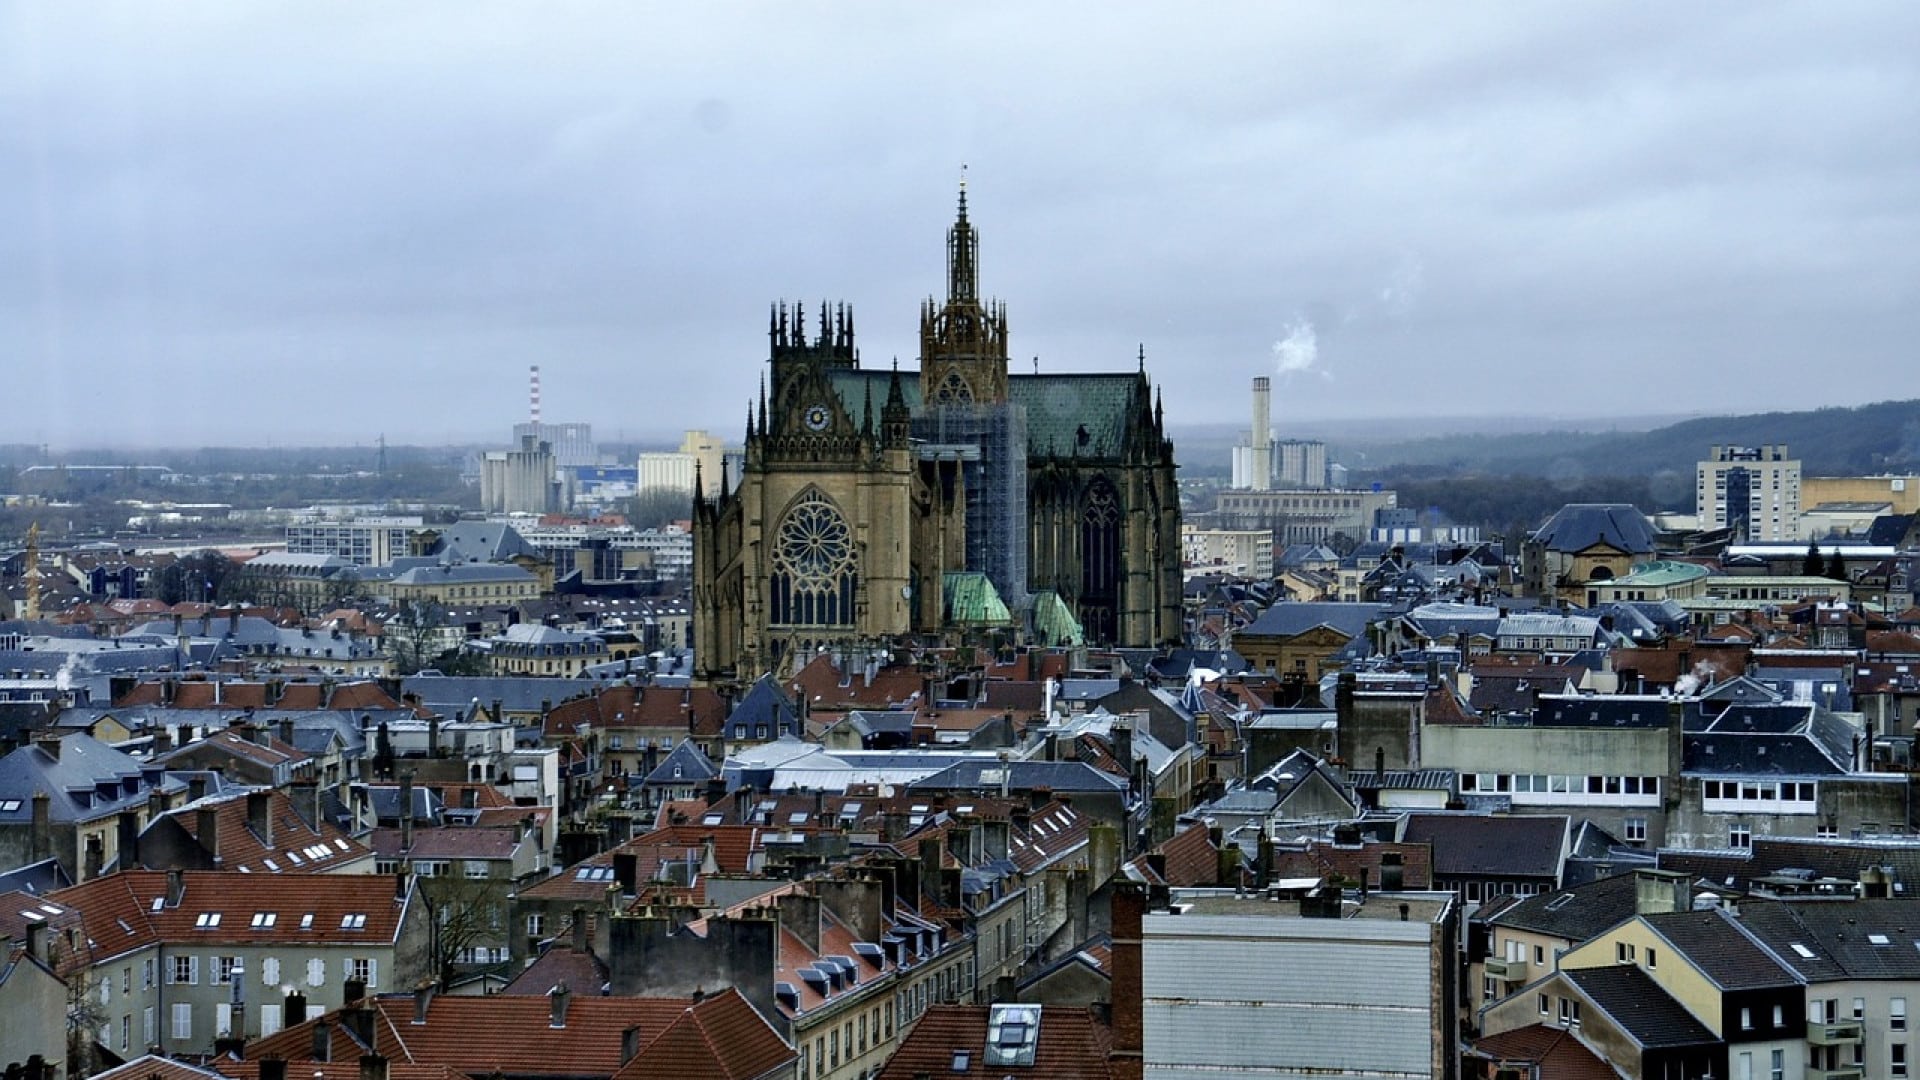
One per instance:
(1755,489)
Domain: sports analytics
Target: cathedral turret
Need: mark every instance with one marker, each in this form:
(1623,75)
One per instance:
(895,421)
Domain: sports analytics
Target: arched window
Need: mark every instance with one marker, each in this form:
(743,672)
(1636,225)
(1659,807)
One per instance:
(1100,560)
(953,390)
(814,567)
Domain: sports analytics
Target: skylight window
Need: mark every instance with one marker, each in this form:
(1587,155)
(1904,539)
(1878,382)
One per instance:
(206,920)
(353,922)
(293,857)
(8,806)
(306,921)
(713,819)
(1803,952)
(264,920)
(1560,901)
(271,865)
(798,817)
(339,843)
(1879,939)
(32,916)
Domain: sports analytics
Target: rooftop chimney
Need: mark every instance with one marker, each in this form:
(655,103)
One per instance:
(260,816)
(558,997)
(373,1067)
(295,1012)
(210,830)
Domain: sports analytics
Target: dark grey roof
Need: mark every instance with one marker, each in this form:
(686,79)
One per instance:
(1888,530)
(1857,939)
(1768,740)
(1467,845)
(1293,617)
(692,765)
(1601,711)
(482,541)
(1578,526)
(1575,914)
(1637,1004)
(763,703)
(1022,776)
(88,780)
(37,879)
(1713,943)
(1899,859)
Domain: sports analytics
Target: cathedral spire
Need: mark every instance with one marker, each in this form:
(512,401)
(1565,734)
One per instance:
(763,403)
(963,251)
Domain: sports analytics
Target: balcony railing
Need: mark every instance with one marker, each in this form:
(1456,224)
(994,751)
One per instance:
(1834,1033)
(1510,970)
(1848,1072)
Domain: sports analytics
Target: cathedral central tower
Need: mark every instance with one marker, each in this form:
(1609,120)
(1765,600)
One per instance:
(963,343)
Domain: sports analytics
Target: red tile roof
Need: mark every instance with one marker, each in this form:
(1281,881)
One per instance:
(120,909)
(515,1034)
(238,845)
(719,1038)
(1560,1055)
(1072,1045)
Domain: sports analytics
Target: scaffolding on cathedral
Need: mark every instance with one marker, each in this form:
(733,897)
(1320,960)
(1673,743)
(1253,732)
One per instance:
(990,442)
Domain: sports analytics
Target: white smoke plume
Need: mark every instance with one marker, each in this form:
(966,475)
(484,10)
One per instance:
(1298,353)
(1694,681)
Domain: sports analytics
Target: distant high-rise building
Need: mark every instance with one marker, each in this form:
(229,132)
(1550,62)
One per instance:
(674,469)
(520,481)
(1754,490)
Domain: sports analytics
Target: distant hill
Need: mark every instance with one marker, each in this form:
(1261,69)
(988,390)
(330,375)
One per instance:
(1877,438)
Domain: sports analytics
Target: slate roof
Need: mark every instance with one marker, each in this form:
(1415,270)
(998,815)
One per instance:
(1467,845)
(482,541)
(1712,941)
(1578,526)
(87,781)
(1294,618)
(1845,938)
(1575,914)
(1644,1011)
(693,767)
(516,694)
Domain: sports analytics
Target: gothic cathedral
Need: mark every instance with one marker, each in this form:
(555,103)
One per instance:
(967,504)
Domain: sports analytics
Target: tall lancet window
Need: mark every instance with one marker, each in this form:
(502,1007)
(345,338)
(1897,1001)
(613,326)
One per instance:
(815,570)
(1100,560)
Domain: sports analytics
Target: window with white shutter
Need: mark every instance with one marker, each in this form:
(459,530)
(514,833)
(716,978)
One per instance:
(269,1019)
(193,971)
(182,1020)
(222,1020)
(149,1026)
(270,970)
(316,972)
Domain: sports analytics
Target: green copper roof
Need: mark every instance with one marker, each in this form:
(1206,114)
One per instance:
(1053,622)
(1662,573)
(969,599)
(1068,414)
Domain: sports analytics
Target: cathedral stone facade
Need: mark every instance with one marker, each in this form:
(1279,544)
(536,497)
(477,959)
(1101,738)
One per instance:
(964,503)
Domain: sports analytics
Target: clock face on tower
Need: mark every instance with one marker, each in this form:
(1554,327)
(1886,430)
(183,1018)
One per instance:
(816,417)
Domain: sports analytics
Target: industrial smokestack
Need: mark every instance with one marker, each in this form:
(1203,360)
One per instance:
(533,391)
(1257,466)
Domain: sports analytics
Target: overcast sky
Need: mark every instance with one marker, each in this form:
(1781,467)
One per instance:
(284,224)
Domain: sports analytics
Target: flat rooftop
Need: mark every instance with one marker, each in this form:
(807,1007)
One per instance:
(1421,906)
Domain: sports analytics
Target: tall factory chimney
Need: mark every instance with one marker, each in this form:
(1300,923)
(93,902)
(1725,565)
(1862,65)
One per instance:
(533,392)
(1253,463)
